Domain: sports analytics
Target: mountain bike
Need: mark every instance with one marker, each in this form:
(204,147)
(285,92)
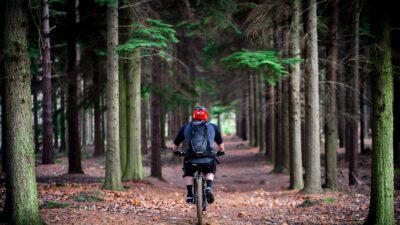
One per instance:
(199,185)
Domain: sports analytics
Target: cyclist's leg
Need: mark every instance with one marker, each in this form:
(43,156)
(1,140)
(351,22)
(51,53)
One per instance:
(210,170)
(189,170)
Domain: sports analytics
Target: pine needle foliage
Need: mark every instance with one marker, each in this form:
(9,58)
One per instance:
(259,60)
(153,34)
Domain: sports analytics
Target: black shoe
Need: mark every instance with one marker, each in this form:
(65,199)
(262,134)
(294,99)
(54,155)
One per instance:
(209,195)
(189,199)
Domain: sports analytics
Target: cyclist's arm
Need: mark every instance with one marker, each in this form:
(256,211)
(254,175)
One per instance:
(178,139)
(218,139)
(221,147)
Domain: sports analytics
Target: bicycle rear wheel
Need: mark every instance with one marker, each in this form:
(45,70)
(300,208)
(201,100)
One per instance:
(199,200)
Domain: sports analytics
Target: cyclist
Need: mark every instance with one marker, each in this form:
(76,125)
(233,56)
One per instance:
(199,135)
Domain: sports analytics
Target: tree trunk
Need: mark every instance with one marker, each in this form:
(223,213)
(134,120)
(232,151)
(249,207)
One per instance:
(270,123)
(331,122)
(285,126)
(296,166)
(123,120)
(98,137)
(20,154)
(74,148)
(3,119)
(313,165)
(243,121)
(63,146)
(396,116)
(144,113)
(354,147)
(155,121)
(48,150)
(278,159)
(113,166)
(55,118)
(381,209)
(252,110)
(341,106)
(256,110)
(396,96)
(36,119)
(134,168)
(362,117)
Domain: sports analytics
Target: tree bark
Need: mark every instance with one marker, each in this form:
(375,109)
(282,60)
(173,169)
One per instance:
(331,122)
(63,144)
(156,121)
(278,159)
(36,119)
(48,150)
(123,120)
(20,154)
(74,148)
(396,116)
(3,118)
(354,147)
(285,126)
(252,109)
(312,138)
(381,209)
(396,96)
(341,106)
(285,107)
(55,118)
(262,116)
(270,123)
(113,166)
(243,121)
(256,110)
(98,137)
(134,168)
(144,115)
(296,165)
(362,117)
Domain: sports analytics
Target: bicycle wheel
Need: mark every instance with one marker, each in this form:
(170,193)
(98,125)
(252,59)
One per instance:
(199,200)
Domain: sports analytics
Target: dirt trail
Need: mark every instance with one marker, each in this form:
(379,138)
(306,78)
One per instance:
(246,191)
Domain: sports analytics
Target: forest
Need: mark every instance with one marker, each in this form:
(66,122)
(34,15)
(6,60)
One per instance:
(306,95)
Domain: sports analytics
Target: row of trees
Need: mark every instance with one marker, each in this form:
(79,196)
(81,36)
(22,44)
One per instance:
(282,97)
(330,83)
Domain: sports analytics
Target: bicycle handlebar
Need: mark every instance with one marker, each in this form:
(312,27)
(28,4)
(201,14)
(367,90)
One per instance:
(181,153)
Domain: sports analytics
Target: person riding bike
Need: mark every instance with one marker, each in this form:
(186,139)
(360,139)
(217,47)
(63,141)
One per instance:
(199,134)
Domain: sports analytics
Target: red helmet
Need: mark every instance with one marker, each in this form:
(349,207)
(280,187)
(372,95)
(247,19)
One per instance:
(200,113)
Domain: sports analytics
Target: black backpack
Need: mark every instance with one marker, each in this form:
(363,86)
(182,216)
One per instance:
(198,138)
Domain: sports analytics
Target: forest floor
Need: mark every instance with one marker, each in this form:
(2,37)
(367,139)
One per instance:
(246,190)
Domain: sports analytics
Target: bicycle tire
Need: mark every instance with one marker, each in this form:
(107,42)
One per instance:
(199,200)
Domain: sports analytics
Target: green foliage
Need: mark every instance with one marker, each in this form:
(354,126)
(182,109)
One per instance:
(203,84)
(259,60)
(154,34)
(88,197)
(210,52)
(54,204)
